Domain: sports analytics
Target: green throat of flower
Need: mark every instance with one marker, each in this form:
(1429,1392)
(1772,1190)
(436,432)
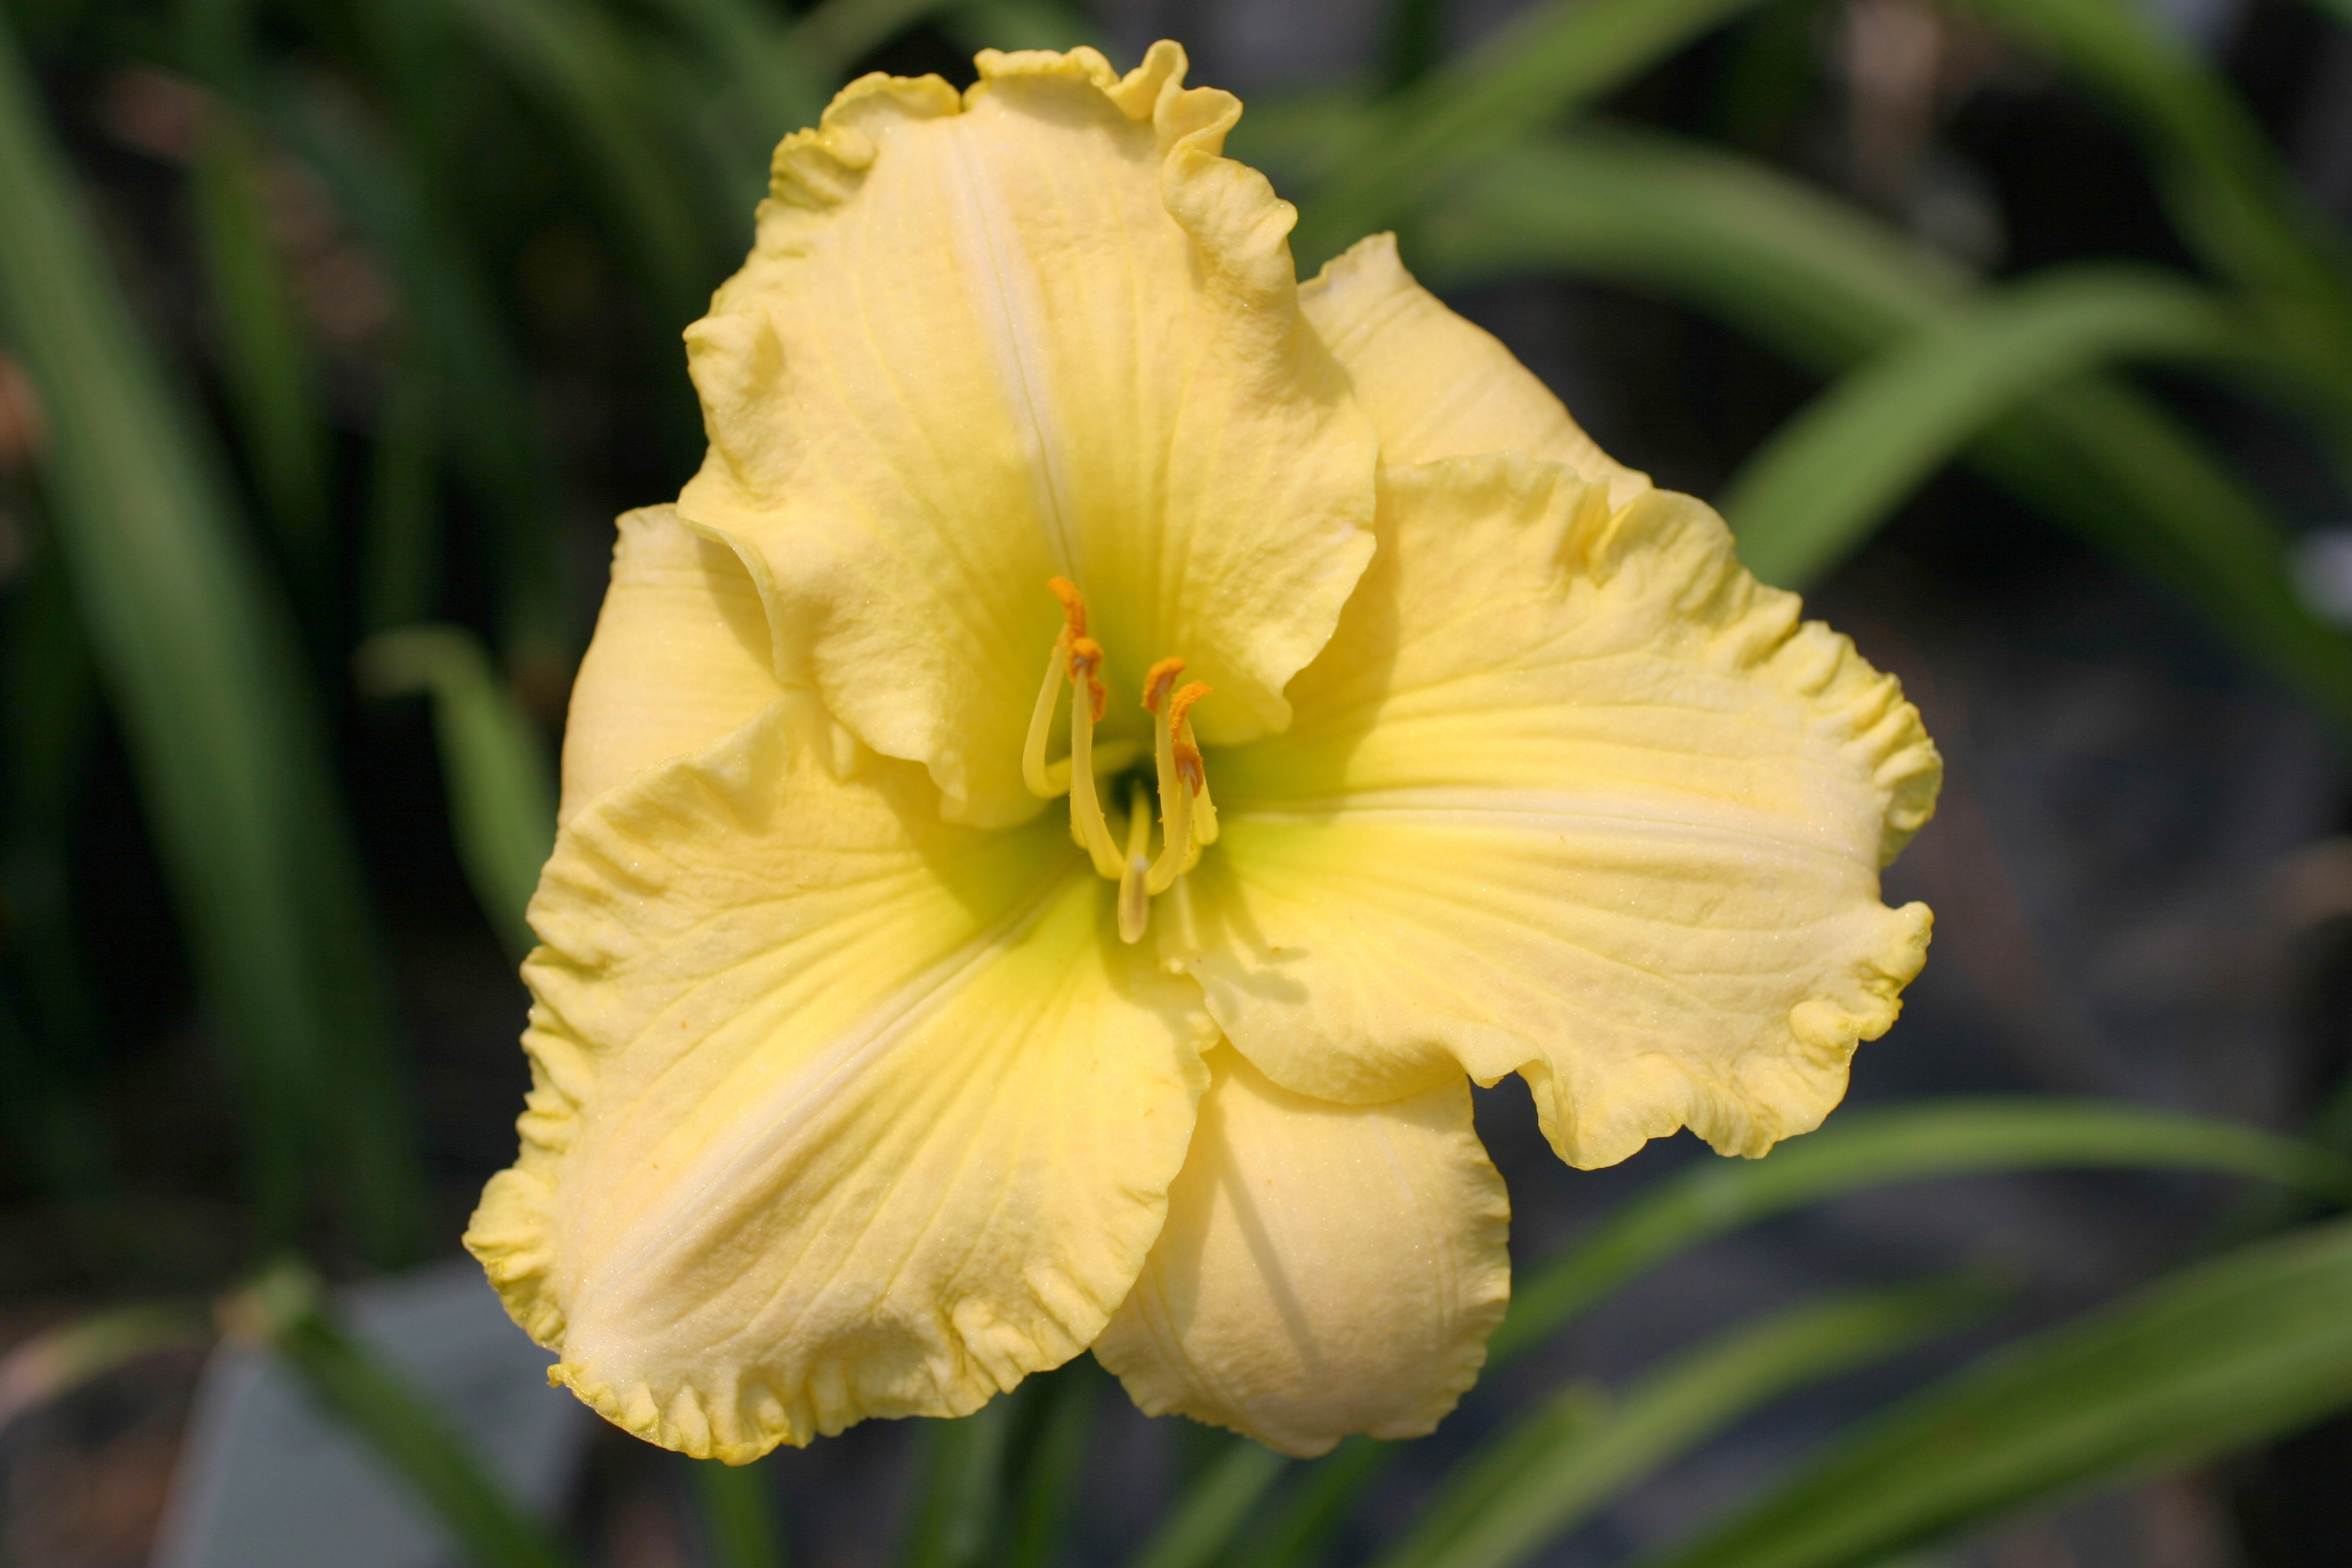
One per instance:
(1187,817)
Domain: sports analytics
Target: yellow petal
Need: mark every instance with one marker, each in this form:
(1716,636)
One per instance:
(1324,1269)
(681,657)
(1045,330)
(1569,794)
(838,1110)
(1436,385)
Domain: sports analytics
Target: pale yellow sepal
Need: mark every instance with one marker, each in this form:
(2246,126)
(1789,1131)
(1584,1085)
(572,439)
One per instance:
(1572,794)
(1324,1270)
(839,1111)
(1043,329)
(1436,386)
(681,656)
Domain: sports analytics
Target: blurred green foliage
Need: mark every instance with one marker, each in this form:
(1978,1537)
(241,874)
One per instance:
(411,221)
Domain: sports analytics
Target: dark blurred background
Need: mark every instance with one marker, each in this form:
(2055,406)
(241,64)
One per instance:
(2138,874)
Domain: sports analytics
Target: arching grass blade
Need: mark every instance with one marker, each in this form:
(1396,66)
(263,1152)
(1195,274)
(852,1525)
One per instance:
(1563,1460)
(2248,1345)
(1847,460)
(1869,1149)
(198,657)
(501,790)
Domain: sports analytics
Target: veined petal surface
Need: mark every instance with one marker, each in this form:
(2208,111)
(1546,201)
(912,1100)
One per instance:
(1569,794)
(681,656)
(1324,1269)
(1436,386)
(1042,330)
(838,1110)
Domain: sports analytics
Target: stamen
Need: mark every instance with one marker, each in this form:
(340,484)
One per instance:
(1157,681)
(1188,820)
(1178,780)
(1074,606)
(1046,781)
(1134,893)
(1188,762)
(1087,824)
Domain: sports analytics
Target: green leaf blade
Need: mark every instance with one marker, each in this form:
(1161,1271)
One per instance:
(2252,1344)
(738,1515)
(1842,464)
(1195,1531)
(1564,1463)
(1553,57)
(1868,1149)
(282,1310)
(501,790)
(199,658)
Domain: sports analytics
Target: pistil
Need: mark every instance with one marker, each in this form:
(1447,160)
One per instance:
(1134,892)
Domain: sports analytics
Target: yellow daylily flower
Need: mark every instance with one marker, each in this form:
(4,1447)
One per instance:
(1406,740)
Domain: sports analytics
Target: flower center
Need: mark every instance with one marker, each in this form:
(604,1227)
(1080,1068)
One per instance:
(1187,817)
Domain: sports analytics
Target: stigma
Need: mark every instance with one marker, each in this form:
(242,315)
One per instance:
(1187,817)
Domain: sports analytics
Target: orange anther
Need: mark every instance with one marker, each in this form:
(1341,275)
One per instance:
(1074,605)
(1085,662)
(1158,680)
(1187,755)
(1181,704)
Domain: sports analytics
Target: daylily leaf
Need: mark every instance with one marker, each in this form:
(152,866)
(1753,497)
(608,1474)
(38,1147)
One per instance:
(2205,1360)
(1053,1462)
(2228,195)
(1845,461)
(576,62)
(834,33)
(459,347)
(738,1511)
(264,359)
(1196,1531)
(1544,1473)
(199,660)
(1020,25)
(501,800)
(1551,57)
(1870,1148)
(752,44)
(281,1309)
(399,569)
(959,1485)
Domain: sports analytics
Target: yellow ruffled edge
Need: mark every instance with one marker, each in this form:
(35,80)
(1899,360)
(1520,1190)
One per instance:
(1759,631)
(508,1236)
(1240,227)
(820,168)
(511,1231)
